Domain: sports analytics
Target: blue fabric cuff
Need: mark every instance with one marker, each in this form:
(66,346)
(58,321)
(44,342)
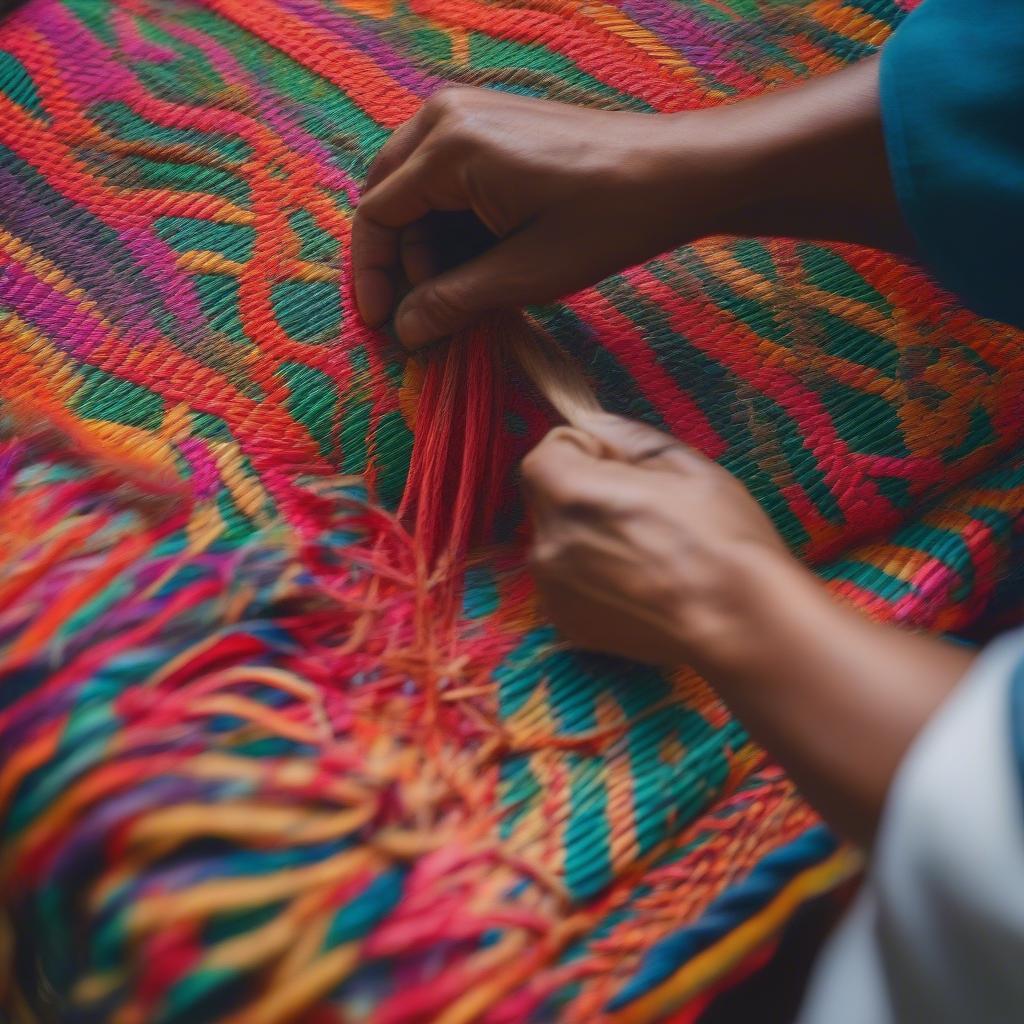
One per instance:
(952,95)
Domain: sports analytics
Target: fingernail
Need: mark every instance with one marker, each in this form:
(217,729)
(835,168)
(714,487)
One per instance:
(411,328)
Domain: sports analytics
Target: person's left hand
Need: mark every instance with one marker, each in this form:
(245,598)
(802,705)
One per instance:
(642,546)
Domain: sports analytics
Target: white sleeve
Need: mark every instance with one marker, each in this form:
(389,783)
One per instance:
(937,934)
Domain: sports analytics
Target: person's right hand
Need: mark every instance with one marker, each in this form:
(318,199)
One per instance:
(643,547)
(572,195)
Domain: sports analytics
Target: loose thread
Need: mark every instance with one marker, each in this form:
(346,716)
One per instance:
(456,474)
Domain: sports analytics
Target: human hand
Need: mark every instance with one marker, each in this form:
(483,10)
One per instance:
(573,194)
(646,549)
(570,194)
(641,545)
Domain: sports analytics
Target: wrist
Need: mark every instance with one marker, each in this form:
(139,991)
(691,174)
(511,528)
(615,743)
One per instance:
(701,167)
(801,162)
(754,615)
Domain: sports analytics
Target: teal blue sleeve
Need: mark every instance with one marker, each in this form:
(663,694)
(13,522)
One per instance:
(952,86)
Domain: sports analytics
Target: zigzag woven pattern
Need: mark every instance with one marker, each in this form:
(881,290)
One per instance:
(257,763)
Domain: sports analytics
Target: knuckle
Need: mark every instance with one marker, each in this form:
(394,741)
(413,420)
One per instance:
(642,436)
(573,505)
(449,103)
(438,104)
(370,241)
(542,480)
(455,138)
(540,477)
(560,433)
(534,466)
(456,120)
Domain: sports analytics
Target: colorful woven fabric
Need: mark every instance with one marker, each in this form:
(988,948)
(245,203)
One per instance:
(258,761)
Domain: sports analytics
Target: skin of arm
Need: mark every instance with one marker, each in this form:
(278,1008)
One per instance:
(642,547)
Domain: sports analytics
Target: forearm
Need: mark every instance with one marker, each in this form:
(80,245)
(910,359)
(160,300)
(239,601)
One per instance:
(804,162)
(834,697)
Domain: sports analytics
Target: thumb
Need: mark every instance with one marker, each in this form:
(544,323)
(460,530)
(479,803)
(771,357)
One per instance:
(552,473)
(637,442)
(438,307)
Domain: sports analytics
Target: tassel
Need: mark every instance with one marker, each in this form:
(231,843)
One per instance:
(456,470)
(455,474)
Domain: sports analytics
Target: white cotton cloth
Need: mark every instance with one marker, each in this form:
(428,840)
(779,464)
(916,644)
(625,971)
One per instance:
(937,934)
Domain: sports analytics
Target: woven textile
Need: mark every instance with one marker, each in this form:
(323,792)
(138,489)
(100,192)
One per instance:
(256,763)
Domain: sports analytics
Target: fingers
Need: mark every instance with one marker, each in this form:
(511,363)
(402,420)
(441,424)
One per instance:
(563,469)
(403,142)
(550,469)
(503,277)
(375,245)
(398,201)
(419,260)
(374,250)
(581,468)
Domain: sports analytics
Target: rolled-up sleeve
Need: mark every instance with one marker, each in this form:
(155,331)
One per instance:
(937,934)
(952,89)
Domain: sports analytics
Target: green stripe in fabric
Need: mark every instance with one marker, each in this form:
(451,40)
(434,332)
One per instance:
(896,490)
(355,432)
(94,17)
(588,865)
(196,995)
(315,244)
(308,311)
(392,444)
(685,270)
(869,419)
(17,85)
(488,53)
(141,172)
(481,596)
(827,270)
(102,396)
(868,577)
(325,110)
(358,917)
(521,672)
(520,791)
(753,254)
(312,399)
(844,340)
(186,234)
(219,295)
(120,121)
(213,428)
(980,433)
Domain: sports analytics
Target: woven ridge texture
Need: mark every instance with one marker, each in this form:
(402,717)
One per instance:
(250,771)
